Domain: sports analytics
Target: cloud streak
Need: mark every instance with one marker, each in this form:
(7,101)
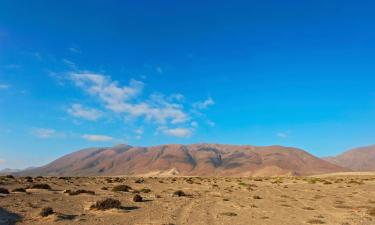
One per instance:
(4,86)
(45,133)
(77,110)
(203,104)
(177,132)
(97,137)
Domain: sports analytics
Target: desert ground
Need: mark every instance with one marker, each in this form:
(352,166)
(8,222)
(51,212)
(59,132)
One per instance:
(342,199)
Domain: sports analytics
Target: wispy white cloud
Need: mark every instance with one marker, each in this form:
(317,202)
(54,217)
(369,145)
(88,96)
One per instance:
(210,123)
(203,104)
(283,134)
(10,66)
(74,50)
(110,92)
(97,137)
(159,69)
(139,133)
(69,63)
(46,133)
(2,161)
(176,132)
(77,110)
(4,86)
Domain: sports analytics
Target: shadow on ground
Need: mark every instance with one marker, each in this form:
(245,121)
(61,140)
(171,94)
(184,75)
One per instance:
(8,218)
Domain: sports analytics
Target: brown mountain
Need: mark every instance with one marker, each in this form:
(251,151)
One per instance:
(189,160)
(358,159)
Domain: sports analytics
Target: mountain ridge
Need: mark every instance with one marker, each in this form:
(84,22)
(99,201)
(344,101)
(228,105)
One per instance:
(187,160)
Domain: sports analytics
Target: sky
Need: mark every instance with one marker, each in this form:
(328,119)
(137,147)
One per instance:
(77,74)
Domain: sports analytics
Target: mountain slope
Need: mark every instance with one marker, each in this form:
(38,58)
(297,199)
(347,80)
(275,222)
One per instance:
(189,160)
(358,159)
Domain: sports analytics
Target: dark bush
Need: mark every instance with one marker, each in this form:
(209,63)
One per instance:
(46,211)
(139,181)
(9,176)
(41,186)
(121,188)
(3,191)
(179,193)
(137,198)
(257,197)
(81,191)
(108,203)
(19,190)
(145,190)
(229,214)
(371,211)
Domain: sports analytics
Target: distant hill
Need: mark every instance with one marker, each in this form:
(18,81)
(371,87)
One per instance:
(358,159)
(8,171)
(187,160)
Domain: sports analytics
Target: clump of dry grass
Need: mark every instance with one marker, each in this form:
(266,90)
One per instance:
(137,198)
(228,214)
(179,193)
(41,186)
(371,211)
(121,188)
(46,211)
(315,221)
(19,190)
(139,181)
(4,191)
(80,191)
(108,203)
(145,190)
(257,197)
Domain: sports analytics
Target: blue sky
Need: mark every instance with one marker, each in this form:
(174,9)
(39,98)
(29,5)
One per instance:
(99,73)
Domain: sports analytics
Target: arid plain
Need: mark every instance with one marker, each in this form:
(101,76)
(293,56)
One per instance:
(339,199)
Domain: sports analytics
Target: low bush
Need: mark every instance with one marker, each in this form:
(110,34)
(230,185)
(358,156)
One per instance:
(137,198)
(41,186)
(121,188)
(46,211)
(108,203)
(4,191)
(179,193)
(81,191)
(19,190)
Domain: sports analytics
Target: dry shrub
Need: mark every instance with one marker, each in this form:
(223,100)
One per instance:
(80,191)
(108,203)
(137,198)
(41,186)
(46,211)
(179,193)
(19,190)
(4,191)
(121,188)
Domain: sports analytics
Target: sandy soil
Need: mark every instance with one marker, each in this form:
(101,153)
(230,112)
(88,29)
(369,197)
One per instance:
(341,200)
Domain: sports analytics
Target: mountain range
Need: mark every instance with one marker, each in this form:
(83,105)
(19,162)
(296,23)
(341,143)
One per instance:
(187,160)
